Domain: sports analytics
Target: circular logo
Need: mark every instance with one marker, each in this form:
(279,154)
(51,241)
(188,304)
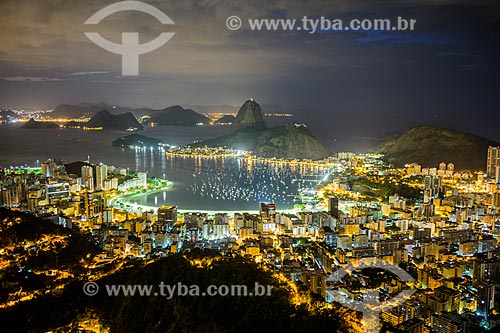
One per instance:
(233,23)
(90,288)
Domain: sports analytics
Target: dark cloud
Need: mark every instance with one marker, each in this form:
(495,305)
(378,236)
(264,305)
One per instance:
(359,83)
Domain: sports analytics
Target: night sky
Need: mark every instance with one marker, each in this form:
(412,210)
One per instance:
(361,84)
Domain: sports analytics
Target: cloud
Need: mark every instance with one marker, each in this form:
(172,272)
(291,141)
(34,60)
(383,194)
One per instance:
(441,38)
(452,53)
(30,78)
(88,73)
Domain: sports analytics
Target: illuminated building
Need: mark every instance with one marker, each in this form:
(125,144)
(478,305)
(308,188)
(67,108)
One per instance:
(315,280)
(111,184)
(450,322)
(496,199)
(239,221)
(412,326)
(87,172)
(48,168)
(393,316)
(450,297)
(88,177)
(344,242)
(492,161)
(245,232)
(101,174)
(485,298)
(333,207)
(433,186)
(167,215)
(56,191)
(107,216)
(221,229)
(385,247)
(143,181)
(267,211)
(360,241)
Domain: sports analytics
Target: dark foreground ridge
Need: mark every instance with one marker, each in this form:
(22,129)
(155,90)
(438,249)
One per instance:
(203,268)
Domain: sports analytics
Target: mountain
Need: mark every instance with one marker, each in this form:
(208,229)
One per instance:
(76,111)
(212,108)
(431,145)
(172,116)
(106,120)
(90,110)
(291,141)
(178,116)
(136,140)
(227,119)
(243,139)
(250,115)
(32,124)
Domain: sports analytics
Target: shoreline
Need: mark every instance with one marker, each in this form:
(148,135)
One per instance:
(137,208)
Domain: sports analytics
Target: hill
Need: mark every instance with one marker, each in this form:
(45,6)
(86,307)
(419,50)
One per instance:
(75,168)
(33,124)
(90,110)
(25,269)
(291,141)
(178,116)
(190,313)
(250,115)
(243,139)
(136,140)
(85,110)
(431,145)
(106,120)
(76,111)
(226,120)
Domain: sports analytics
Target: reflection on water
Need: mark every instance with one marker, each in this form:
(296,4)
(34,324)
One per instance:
(204,184)
(226,183)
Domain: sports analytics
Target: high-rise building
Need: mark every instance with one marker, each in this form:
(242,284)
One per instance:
(267,211)
(449,322)
(48,168)
(333,207)
(485,298)
(167,215)
(496,199)
(87,172)
(88,177)
(101,174)
(450,297)
(143,179)
(493,161)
